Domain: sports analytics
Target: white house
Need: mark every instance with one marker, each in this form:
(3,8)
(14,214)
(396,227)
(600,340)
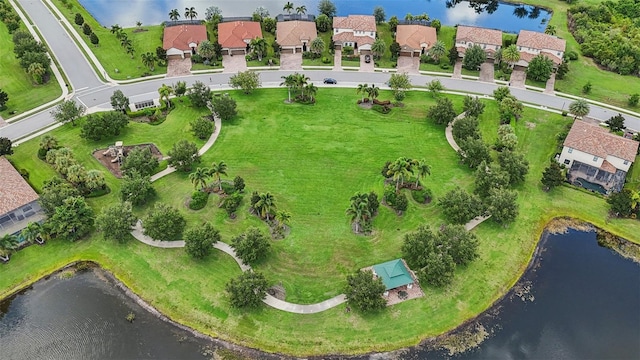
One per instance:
(531,43)
(182,41)
(490,40)
(357,31)
(594,154)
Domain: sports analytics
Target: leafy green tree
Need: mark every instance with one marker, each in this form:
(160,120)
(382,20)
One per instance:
(260,13)
(616,123)
(115,221)
(378,47)
(180,88)
(119,101)
(213,13)
(247,290)
(184,155)
(467,127)
(199,241)
(473,152)
(161,55)
(270,25)
(399,82)
(462,244)
(31,57)
(562,70)
(327,7)
(393,23)
(4,98)
(425,252)
(68,111)
(246,80)
(136,189)
(99,126)
(199,94)
(507,139)
(5,146)
(251,246)
(442,113)
(238,184)
(435,23)
(79,20)
(515,164)
(490,177)
(223,107)
(8,243)
(621,203)
(202,127)
(438,270)
(500,93)
(73,219)
(94,180)
(502,205)
(633,100)
(37,72)
(395,48)
(472,106)
(359,210)
(141,160)
(474,56)
(33,233)
(164,223)
(364,292)
(323,23)
(579,108)
(317,46)
(510,107)
(540,68)
(95,40)
(552,176)
(435,87)
(53,194)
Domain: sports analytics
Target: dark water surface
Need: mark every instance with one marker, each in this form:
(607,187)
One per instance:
(490,13)
(581,301)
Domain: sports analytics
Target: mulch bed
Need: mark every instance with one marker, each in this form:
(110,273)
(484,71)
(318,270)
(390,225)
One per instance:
(114,168)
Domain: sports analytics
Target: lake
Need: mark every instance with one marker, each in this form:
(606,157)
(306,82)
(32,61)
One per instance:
(580,301)
(492,14)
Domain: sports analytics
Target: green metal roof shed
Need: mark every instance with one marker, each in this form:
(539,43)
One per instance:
(393,273)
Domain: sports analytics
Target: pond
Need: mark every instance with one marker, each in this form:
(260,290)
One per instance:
(578,300)
(487,13)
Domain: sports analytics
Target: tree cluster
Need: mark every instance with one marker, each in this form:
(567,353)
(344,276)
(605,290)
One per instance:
(32,55)
(103,125)
(246,80)
(184,155)
(459,206)
(251,246)
(164,223)
(299,86)
(199,240)
(247,290)
(223,107)
(136,188)
(63,161)
(362,209)
(624,203)
(364,292)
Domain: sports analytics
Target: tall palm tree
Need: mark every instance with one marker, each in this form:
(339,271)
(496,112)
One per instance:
(421,169)
(373,91)
(174,15)
(311,91)
(8,243)
(165,91)
(317,46)
(190,13)
(115,29)
(199,177)
(511,54)
(125,41)
(438,50)
(218,169)
(265,205)
(579,108)
(362,89)
(378,47)
(359,210)
(282,217)
(400,170)
(301,81)
(48,142)
(550,30)
(288,7)
(258,46)
(94,180)
(301,10)
(37,71)
(32,233)
(149,60)
(289,82)
(130,50)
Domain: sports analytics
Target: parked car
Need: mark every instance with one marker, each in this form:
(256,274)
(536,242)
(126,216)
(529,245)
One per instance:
(367,58)
(330,81)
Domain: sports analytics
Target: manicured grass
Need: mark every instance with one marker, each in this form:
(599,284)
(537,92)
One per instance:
(113,57)
(313,158)
(328,52)
(23,93)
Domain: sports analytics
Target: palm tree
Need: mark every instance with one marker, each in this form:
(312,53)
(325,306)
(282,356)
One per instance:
(125,42)
(359,210)
(174,15)
(218,169)
(438,50)
(301,10)
(94,180)
(199,177)
(190,13)
(37,71)
(48,142)
(399,170)
(373,91)
(282,217)
(139,24)
(289,82)
(378,47)
(362,89)
(265,205)
(165,91)
(149,60)
(288,7)
(115,29)
(579,108)
(511,54)
(258,46)
(32,233)
(317,46)
(421,169)
(301,81)
(550,30)
(8,243)
(311,90)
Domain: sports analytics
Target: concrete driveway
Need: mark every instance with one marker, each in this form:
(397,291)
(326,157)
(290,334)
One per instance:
(179,67)
(364,66)
(337,60)
(518,77)
(408,64)
(551,84)
(233,64)
(457,70)
(291,61)
(486,71)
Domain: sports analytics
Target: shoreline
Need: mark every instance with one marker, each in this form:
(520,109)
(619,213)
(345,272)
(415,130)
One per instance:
(468,334)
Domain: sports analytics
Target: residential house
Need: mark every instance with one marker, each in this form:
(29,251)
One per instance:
(356,31)
(394,274)
(489,39)
(181,41)
(18,201)
(415,40)
(597,159)
(531,43)
(295,36)
(235,36)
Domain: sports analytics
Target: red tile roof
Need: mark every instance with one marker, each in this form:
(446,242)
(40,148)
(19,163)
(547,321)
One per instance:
(540,41)
(236,34)
(528,56)
(180,36)
(355,22)
(14,190)
(350,37)
(291,33)
(412,36)
(598,141)
(478,35)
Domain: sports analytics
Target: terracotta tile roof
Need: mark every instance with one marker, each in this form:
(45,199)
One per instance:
(608,167)
(349,37)
(528,56)
(412,36)
(14,190)
(291,33)
(540,41)
(598,141)
(236,34)
(355,22)
(478,35)
(179,37)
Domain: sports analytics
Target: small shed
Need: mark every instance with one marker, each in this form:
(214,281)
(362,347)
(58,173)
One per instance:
(394,274)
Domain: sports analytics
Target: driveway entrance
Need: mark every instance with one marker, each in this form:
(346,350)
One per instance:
(518,77)
(368,67)
(233,64)
(457,70)
(177,66)
(486,71)
(291,61)
(337,60)
(408,64)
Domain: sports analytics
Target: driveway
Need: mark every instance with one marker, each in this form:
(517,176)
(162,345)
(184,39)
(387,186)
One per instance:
(518,77)
(179,67)
(408,64)
(337,60)
(291,61)
(486,71)
(233,64)
(457,70)
(368,67)
(551,83)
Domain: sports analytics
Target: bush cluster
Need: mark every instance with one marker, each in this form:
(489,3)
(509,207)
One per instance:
(198,200)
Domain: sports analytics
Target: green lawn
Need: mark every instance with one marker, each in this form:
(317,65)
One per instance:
(23,93)
(113,57)
(313,158)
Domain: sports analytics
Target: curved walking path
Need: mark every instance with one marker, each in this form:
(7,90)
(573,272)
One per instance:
(138,233)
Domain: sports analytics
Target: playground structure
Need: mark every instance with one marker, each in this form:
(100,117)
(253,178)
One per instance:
(116,152)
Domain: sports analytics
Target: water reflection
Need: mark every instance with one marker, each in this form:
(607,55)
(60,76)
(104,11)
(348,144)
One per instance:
(479,6)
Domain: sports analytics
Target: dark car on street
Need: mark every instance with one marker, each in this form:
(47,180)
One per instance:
(330,81)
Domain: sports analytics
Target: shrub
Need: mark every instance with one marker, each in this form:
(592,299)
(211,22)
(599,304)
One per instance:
(383,109)
(634,99)
(572,55)
(231,203)
(198,200)
(238,184)
(401,202)
(42,153)
(444,66)
(422,196)
(227,188)
(326,60)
